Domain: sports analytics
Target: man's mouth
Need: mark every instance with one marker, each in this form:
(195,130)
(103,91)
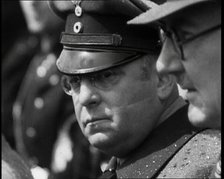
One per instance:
(95,120)
(185,83)
(187,86)
(190,90)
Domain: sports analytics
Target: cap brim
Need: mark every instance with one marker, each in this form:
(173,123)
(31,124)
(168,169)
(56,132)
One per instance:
(158,12)
(87,61)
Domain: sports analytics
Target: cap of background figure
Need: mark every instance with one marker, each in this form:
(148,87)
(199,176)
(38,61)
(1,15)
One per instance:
(97,36)
(158,9)
(39,18)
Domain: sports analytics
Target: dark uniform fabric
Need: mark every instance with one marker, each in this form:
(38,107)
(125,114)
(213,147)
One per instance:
(152,158)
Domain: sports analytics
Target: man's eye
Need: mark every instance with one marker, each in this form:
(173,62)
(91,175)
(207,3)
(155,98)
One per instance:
(183,35)
(108,78)
(108,75)
(74,80)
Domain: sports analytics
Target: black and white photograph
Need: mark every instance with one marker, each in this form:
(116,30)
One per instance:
(111,89)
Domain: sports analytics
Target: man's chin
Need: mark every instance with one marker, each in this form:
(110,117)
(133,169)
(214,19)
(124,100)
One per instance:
(204,117)
(197,116)
(98,140)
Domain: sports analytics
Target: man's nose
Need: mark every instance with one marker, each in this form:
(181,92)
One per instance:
(88,95)
(169,60)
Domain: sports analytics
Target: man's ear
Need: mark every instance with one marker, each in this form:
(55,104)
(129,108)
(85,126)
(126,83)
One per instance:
(165,86)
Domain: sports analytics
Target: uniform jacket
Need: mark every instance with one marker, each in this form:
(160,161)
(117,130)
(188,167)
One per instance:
(175,149)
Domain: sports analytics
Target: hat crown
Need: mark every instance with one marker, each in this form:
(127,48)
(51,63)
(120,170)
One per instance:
(102,25)
(97,20)
(122,7)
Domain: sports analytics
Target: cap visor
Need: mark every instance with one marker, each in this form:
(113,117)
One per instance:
(86,61)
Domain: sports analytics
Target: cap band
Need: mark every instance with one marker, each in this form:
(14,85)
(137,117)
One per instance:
(91,39)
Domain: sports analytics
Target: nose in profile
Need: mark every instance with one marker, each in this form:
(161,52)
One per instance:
(169,60)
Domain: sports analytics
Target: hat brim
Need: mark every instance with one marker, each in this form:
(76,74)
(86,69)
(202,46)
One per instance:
(78,61)
(160,11)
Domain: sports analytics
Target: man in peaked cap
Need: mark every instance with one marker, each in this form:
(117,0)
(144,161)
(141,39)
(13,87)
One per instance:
(192,52)
(122,105)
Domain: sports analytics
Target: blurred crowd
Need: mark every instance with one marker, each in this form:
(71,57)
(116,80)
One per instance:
(38,120)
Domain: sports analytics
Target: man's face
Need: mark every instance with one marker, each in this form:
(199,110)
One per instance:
(118,118)
(200,70)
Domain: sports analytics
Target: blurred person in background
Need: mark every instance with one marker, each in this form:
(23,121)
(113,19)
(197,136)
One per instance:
(14,43)
(191,34)
(44,132)
(17,48)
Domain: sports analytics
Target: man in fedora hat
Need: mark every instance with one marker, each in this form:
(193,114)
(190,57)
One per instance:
(122,105)
(191,35)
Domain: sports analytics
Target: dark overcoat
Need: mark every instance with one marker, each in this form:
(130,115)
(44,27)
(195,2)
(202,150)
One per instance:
(175,149)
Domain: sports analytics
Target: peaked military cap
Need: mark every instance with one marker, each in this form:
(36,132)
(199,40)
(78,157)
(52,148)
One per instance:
(158,9)
(97,36)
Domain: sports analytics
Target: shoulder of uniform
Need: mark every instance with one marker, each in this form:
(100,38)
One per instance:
(196,158)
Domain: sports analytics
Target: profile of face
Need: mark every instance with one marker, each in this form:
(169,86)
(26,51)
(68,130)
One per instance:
(38,16)
(119,109)
(199,69)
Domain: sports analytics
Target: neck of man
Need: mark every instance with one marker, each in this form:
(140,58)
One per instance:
(171,107)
